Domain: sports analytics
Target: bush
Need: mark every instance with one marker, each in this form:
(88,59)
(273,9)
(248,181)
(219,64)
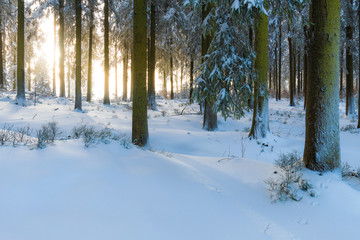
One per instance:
(5,133)
(289,180)
(47,134)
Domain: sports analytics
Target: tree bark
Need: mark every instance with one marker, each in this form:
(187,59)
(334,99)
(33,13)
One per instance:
(62,49)
(322,148)
(151,68)
(116,69)
(20,96)
(341,70)
(171,78)
(78,104)
(106,52)
(210,116)
(260,121)
(140,133)
(191,100)
(358,126)
(125,73)
(89,80)
(280,58)
(291,61)
(1,54)
(350,109)
(298,73)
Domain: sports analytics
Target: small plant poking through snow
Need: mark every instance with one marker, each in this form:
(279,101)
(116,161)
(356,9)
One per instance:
(91,136)
(348,171)
(47,134)
(289,179)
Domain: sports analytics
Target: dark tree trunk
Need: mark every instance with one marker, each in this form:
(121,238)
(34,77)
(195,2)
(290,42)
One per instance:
(191,78)
(322,140)
(89,80)
(260,121)
(106,52)
(298,73)
(171,78)
(276,73)
(250,80)
(29,74)
(78,104)
(291,61)
(20,97)
(349,73)
(358,13)
(305,67)
(341,70)
(62,48)
(151,51)
(125,73)
(68,78)
(210,116)
(280,58)
(1,54)
(164,84)
(140,132)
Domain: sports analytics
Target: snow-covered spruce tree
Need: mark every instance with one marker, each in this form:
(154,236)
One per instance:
(78,104)
(221,83)
(260,122)
(322,141)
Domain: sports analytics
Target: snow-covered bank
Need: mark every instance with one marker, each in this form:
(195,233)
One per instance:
(188,184)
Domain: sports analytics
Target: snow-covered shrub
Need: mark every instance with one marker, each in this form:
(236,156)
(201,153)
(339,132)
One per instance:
(47,134)
(89,136)
(5,133)
(289,180)
(348,171)
(22,135)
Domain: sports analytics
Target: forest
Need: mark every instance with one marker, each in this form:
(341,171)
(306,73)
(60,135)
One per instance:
(179,119)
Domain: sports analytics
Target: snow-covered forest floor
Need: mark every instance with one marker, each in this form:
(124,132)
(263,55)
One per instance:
(187,184)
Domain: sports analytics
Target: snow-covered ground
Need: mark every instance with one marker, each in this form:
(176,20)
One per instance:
(188,184)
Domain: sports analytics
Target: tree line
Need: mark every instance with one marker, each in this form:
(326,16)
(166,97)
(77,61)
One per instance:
(236,54)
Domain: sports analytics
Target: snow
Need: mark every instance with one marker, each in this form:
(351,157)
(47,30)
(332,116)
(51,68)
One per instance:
(188,184)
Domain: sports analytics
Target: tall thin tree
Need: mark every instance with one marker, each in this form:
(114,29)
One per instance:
(20,96)
(140,132)
(91,30)
(151,63)
(61,48)
(106,52)
(78,104)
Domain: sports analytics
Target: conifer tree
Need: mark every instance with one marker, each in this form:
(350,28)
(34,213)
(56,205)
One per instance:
(20,96)
(78,104)
(322,141)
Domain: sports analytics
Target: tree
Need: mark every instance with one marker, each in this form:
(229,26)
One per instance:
(152,60)
(1,53)
(62,48)
(140,133)
(260,122)
(350,108)
(125,72)
(358,126)
(20,97)
(54,55)
(91,30)
(106,52)
(78,105)
(322,148)
(292,68)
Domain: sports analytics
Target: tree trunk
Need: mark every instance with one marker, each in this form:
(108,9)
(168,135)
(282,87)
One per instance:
(68,78)
(210,116)
(191,78)
(322,148)
(260,122)
(298,73)
(1,54)
(305,67)
(125,73)
(358,126)
(116,70)
(291,61)
(140,133)
(62,48)
(350,109)
(171,78)
(164,84)
(54,55)
(276,73)
(29,74)
(20,96)
(78,104)
(341,70)
(89,80)
(280,57)
(106,52)
(250,80)
(151,68)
